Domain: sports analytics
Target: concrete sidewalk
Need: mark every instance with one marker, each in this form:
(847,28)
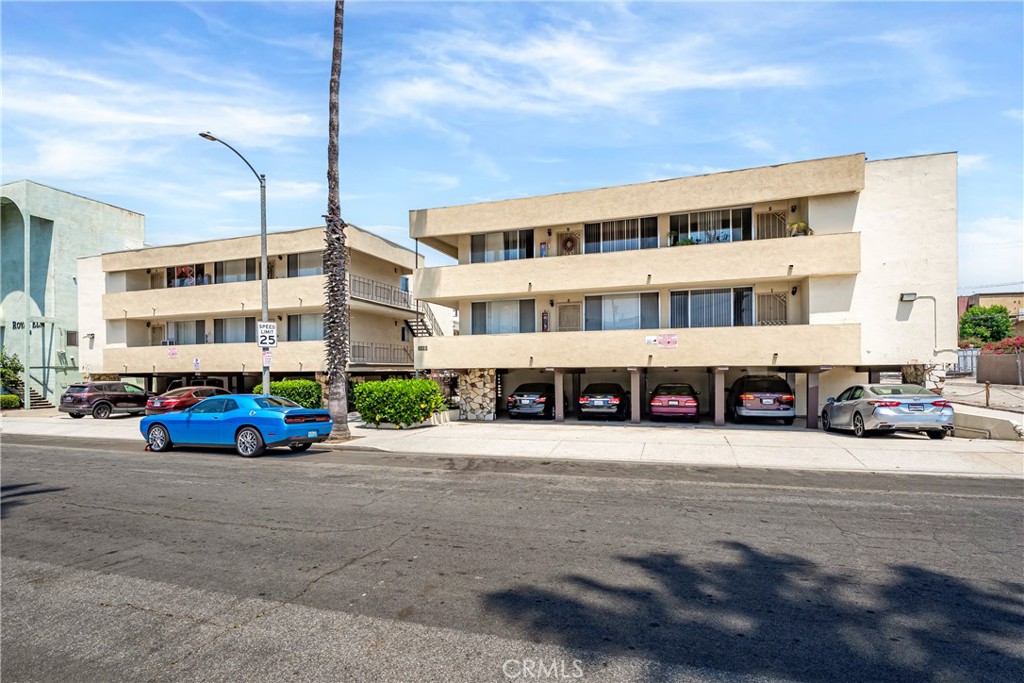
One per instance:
(742,446)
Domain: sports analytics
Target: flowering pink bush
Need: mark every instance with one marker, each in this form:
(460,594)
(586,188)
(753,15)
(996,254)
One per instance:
(1008,345)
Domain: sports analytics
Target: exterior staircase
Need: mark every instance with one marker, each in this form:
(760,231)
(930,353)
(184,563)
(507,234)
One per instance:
(425,324)
(36,400)
(419,327)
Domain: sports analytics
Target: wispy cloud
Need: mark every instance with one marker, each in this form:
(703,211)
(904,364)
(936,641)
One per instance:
(1015,114)
(437,181)
(968,163)
(991,251)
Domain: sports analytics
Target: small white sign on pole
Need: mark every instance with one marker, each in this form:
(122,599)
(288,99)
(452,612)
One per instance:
(266,334)
(266,359)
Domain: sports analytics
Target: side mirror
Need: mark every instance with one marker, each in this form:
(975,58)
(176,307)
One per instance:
(830,399)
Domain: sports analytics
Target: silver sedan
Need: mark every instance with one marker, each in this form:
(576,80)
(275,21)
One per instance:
(868,408)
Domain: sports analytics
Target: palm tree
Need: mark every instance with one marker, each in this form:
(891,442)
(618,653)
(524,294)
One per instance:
(335,259)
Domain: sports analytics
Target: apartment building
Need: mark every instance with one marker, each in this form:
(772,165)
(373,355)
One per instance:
(700,280)
(176,312)
(43,231)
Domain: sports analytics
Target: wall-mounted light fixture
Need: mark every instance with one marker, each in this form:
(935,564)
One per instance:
(549,232)
(551,303)
(280,318)
(91,335)
(793,208)
(908,296)
(280,258)
(793,291)
(149,324)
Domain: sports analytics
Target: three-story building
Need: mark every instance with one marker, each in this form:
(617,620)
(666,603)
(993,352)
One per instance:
(828,272)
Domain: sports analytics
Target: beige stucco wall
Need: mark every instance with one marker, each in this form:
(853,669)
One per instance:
(90,314)
(215,358)
(805,178)
(760,261)
(907,218)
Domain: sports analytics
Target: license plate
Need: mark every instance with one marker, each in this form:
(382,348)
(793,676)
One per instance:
(312,434)
(524,401)
(916,406)
(598,403)
(768,401)
(673,403)
(68,399)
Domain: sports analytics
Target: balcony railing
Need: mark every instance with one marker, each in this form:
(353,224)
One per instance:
(381,292)
(379,353)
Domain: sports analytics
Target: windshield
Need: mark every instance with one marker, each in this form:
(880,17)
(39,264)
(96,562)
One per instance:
(674,390)
(778,386)
(533,389)
(603,389)
(177,392)
(275,402)
(899,390)
(77,389)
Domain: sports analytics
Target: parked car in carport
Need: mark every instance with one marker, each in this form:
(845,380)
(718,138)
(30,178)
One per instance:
(888,408)
(179,399)
(675,400)
(535,399)
(761,396)
(606,399)
(103,399)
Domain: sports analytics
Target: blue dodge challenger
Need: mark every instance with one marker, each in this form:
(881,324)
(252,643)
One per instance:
(249,423)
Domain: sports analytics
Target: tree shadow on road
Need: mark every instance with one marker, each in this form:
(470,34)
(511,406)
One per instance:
(12,495)
(781,615)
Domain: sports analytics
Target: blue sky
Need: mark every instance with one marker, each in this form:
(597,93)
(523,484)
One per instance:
(452,103)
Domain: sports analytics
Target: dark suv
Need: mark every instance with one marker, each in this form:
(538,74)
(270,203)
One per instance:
(757,396)
(101,399)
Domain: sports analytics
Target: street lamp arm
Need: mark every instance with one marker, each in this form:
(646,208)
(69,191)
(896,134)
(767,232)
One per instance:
(208,136)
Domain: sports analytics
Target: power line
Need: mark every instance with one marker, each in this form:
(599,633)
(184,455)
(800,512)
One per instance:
(998,284)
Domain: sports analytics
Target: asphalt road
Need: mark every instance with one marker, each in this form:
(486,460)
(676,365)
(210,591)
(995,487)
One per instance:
(122,565)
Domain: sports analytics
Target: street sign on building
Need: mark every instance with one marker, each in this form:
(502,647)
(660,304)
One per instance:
(172,352)
(195,364)
(266,335)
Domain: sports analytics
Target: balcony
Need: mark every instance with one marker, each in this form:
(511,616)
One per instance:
(374,353)
(789,345)
(706,264)
(379,292)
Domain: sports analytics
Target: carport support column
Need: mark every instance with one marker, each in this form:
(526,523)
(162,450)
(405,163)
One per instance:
(812,400)
(559,395)
(720,396)
(635,398)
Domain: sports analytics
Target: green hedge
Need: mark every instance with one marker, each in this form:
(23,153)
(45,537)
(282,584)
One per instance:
(401,402)
(9,401)
(305,392)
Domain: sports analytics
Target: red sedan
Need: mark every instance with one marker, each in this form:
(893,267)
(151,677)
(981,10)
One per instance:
(180,399)
(675,400)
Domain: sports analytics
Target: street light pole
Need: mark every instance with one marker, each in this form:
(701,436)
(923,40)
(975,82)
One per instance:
(263,245)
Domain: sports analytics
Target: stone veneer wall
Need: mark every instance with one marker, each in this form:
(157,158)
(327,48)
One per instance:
(478,394)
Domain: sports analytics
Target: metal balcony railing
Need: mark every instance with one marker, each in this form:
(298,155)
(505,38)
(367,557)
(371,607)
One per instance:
(375,352)
(372,290)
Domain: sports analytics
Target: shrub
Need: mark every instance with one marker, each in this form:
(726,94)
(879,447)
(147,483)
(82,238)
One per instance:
(988,323)
(1008,345)
(305,392)
(401,402)
(10,368)
(8,401)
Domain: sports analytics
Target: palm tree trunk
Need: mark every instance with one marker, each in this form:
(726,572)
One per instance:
(336,342)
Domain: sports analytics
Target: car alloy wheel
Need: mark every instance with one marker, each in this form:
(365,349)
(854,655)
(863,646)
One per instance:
(858,426)
(77,416)
(826,424)
(101,412)
(248,442)
(159,440)
(937,434)
(299,447)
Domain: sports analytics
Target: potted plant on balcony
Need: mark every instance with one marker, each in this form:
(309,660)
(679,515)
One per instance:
(800,229)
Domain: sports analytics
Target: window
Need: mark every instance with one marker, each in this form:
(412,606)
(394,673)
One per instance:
(501,246)
(621,235)
(404,333)
(209,406)
(132,389)
(621,312)
(275,402)
(712,308)
(234,330)
(238,270)
(186,332)
(306,327)
(403,283)
(187,276)
(504,317)
(308,263)
(71,338)
(708,227)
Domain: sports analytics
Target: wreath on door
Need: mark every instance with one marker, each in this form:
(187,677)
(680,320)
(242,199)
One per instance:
(569,244)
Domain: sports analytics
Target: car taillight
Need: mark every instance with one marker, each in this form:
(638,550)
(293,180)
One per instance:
(746,397)
(787,398)
(689,402)
(942,404)
(511,399)
(884,404)
(614,400)
(584,399)
(322,418)
(542,399)
(655,402)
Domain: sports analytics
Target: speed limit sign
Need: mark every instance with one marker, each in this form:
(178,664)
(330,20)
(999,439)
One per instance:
(266,334)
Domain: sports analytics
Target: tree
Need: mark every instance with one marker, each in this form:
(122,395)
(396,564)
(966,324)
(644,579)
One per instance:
(335,258)
(10,369)
(987,323)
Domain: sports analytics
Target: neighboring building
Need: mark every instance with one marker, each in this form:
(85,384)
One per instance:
(43,231)
(178,311)
(1011,301)
(587,286)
